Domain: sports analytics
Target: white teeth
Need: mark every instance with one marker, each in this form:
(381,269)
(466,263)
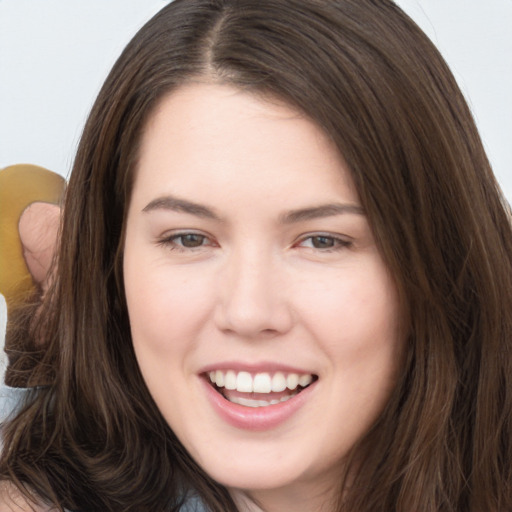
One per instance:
(230,380)
(219,378)
(278,382)
(263,382)
(292,381)
(248,402)
(244,382)
(305,380)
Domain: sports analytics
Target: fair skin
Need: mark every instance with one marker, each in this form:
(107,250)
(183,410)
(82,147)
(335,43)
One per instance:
(38,228)
(12,500)
(250,262)
(275,286)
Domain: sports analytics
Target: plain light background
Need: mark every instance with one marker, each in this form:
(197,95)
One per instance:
(55,54)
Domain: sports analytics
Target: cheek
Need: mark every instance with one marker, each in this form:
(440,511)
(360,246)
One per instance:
(354,310)
(168,311)
(356,324)
(167,308)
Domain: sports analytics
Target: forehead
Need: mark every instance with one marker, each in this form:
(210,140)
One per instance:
(221,138)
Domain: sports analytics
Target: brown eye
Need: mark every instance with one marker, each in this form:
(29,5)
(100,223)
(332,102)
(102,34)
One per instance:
(323,242)
(191,240)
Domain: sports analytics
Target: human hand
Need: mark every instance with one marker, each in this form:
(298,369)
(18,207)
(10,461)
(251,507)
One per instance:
(38,230)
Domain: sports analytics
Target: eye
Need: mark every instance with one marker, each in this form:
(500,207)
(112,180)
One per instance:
(324,242)
(185,241)
(190,240)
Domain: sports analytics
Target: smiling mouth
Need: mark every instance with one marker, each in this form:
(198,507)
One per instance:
(259,389)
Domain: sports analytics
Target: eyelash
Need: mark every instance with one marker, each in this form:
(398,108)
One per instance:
(338,243)
(170,242)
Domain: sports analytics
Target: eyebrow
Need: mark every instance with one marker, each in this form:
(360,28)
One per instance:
(318,212)
(293,216)
(181,205)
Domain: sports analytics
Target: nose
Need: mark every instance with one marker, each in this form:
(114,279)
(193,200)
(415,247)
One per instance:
(252,296)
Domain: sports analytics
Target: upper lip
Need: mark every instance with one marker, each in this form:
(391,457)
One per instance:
(259,367)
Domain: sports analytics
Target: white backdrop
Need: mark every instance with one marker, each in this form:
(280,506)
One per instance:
(55,54)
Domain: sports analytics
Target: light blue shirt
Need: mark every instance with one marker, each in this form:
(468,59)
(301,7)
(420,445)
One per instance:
(10,401)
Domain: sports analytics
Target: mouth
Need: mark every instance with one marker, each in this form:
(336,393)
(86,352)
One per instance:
(262,389)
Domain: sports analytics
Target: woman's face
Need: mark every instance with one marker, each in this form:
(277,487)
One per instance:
(249,262)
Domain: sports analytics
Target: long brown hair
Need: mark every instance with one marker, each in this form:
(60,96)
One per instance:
(94,440)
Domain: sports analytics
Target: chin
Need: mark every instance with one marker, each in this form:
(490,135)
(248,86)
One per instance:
(249,479)
(253,472)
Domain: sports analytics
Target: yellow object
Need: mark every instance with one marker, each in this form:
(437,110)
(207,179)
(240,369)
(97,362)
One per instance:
(20,186)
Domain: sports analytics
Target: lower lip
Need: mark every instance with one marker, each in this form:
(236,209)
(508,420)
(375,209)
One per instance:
(256,418)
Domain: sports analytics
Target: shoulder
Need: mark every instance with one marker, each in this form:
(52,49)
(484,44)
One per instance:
(12,500)
(11,399)
(193,504)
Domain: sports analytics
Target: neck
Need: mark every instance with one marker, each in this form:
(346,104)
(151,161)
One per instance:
(300,498)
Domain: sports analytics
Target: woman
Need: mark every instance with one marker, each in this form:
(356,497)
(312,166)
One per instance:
(286,277)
